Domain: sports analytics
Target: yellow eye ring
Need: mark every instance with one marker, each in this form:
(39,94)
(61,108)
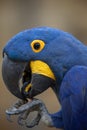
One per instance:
(37,45)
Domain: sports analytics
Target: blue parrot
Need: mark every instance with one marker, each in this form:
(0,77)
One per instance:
(46,57)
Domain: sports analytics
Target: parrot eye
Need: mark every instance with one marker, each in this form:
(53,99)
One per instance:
(37,45)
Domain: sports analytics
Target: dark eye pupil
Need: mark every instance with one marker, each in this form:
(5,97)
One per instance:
(37,46)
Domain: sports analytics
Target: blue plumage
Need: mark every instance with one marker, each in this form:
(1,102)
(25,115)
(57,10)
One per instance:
(73,96)
(67,57)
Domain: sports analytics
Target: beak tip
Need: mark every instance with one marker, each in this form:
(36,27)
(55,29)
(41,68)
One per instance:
(11,73)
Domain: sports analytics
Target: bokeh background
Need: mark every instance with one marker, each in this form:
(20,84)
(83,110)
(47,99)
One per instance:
(17,15)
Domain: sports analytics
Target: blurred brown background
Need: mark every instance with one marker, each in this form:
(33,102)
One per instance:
(17,15)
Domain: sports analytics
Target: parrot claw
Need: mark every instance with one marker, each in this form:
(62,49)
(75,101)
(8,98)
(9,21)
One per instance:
(14,110)
(23,110)
(9,112)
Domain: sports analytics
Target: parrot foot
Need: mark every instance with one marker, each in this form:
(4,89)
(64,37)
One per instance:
(22,119)
(23,109)
(10,111)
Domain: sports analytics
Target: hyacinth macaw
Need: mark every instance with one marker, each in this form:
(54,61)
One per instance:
(45,57)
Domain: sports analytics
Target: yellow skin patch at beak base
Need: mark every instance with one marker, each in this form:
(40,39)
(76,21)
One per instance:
(40,67)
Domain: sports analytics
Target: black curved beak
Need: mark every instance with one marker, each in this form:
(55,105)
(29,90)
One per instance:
(32,83)
(11,73)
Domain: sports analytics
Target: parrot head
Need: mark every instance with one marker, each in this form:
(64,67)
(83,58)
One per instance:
(38,56)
